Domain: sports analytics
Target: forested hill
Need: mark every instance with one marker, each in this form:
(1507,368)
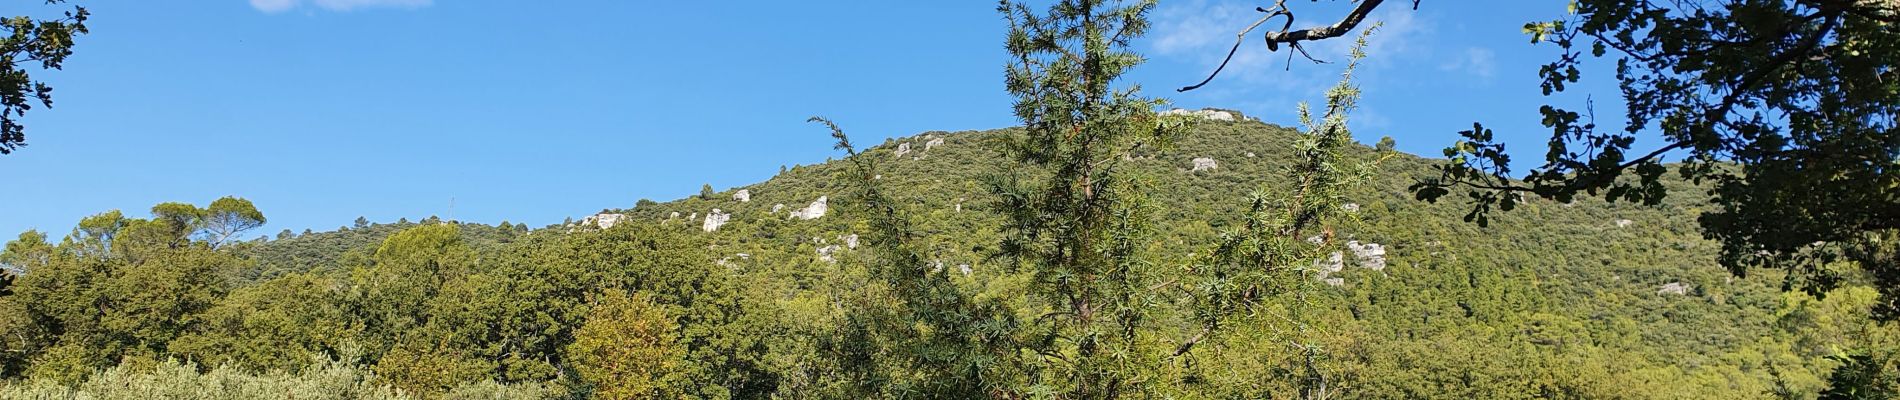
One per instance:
(769,290)
(1589,297)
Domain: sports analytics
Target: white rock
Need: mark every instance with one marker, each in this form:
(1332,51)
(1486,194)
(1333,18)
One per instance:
(965,268)
(1675,288)
(776,207)
(903,148)
(814,211)
(1204,164)
(1316,239)
(1333,263)
(1336,281)
(1215,115)
(714,219)
(743,195)
(933,143)
(1371,255)
(1250,154)
(1350,207)
(824,253)
(936,265)
(604,220)
(850,241)
(1624,223)
(694,217)
(676,215)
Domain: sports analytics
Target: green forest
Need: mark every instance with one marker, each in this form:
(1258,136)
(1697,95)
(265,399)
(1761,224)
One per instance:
(1110,246)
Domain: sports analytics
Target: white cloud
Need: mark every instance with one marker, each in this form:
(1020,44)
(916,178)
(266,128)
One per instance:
(277,6)
(1477,61)
(273,6)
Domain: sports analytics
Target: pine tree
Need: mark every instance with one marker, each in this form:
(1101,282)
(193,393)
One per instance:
(1271,256)
(1073,217)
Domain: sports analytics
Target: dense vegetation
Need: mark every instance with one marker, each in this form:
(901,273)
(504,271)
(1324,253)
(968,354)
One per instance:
(1555,301)
(1100,250)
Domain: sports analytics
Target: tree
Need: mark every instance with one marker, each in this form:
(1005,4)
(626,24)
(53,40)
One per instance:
(360,223)
(1269,254)
(20,255)
(46,41)
(706,192)
(1784,109)
(927,338)
(116,290)
(1072,217)
(626,349)
(229,216)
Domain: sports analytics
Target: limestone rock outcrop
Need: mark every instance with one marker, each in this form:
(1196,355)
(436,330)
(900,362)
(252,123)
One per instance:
(1675,288)
(1206,114)
(714,220)
(604,220)
(1370,255)
(815,210)
(826,253)
(1204,164)
(742,196)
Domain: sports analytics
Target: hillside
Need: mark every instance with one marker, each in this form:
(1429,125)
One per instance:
(1591,298)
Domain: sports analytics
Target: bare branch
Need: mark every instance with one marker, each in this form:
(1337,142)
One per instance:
(1337,29)
(1277,10)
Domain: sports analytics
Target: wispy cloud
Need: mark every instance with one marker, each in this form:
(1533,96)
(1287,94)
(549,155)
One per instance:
(1477,61)
(277,6)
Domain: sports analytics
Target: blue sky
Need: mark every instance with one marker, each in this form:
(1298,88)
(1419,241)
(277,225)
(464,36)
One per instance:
(321,111)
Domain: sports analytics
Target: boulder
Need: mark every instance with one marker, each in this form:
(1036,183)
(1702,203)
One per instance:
(825,253)
(902,149)
(814,211)
(1332,263)
(1675,288)
(715,219)
(1370,255)
(777,207)
(1204,164)
(850,241)
(1624,223)
(933,143)
(742,196)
